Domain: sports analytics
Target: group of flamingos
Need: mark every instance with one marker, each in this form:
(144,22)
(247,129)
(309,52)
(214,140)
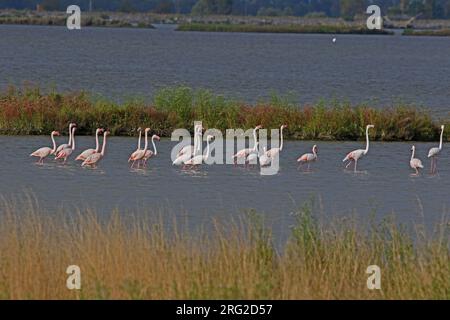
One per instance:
(188,156)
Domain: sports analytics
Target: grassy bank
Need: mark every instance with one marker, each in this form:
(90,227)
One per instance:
(59,19)
(29,111)
(292,28)
(437,33)
(136,258)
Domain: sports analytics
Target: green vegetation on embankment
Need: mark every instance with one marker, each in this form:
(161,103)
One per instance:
(29,111)
(123,256)
(435,33)
(284,28)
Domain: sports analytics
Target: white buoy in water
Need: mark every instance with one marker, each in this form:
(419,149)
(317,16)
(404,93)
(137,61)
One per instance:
(334,40)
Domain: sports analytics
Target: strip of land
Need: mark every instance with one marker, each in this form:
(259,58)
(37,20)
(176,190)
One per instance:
(33,112)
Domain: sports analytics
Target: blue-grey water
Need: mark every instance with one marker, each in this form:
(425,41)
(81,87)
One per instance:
(119,63)
(383,187)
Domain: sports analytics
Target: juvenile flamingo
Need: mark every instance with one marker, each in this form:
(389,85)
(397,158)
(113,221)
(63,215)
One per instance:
(65,153)
(308,157)
(199,159)
(355,155)
(138,145)
(414,162)
(139,154)
(94,158)
(433,153)
(266,158)
(46,151)
(150,153)
(68,144)
(243,153)
(88,152)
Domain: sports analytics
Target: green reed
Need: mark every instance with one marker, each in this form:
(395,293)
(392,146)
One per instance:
(31,111)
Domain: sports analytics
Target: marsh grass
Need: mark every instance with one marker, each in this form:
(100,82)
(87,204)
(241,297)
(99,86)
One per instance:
(280,28)
(436,33)
(134,257)
(30,111)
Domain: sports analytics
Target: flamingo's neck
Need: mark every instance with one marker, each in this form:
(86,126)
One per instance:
(255,140)
(197,142)
(70,136)
(104,144)
(54,143)
(97,147)
(139,140)
(207,149)
(73,139)
(412,154)
(367,140)
(440,141)
(314,152)
(281,144)
(155,152)
(146,141)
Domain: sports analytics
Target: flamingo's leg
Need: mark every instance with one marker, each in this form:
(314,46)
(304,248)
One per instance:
(356,164)
(348,164)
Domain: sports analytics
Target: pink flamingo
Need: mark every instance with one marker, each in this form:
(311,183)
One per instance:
(244,153)
(138,145)
(414,162)
(94,158)
(138,155)
(308,157)
(68,144)
(86,153)
(199,159)
(190,150)
(355,155)
(65,153)
(433,153)
(150,153)
(268,155)
(46,151)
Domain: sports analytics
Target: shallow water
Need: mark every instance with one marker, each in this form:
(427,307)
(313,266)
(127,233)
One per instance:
(120,63)
(383,186)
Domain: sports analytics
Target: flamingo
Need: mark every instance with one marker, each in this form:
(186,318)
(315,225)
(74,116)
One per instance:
(138,144)
(150,153)
(308,157)
(185,156)
(139,154)
(65,153)
(88,152)
(414,162)
(247,151)
(199,159)
(253,157)
(189,149)
(68,144)
(94,158)
(433,153)
(46,151)
(268,155)
(355,155)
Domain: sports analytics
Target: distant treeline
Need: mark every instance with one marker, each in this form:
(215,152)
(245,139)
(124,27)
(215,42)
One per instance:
(432,9)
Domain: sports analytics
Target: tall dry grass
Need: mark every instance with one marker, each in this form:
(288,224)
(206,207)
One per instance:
(139,258)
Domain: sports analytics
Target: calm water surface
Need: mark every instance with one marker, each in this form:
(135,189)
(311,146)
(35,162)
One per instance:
(120,63)
(383,187)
